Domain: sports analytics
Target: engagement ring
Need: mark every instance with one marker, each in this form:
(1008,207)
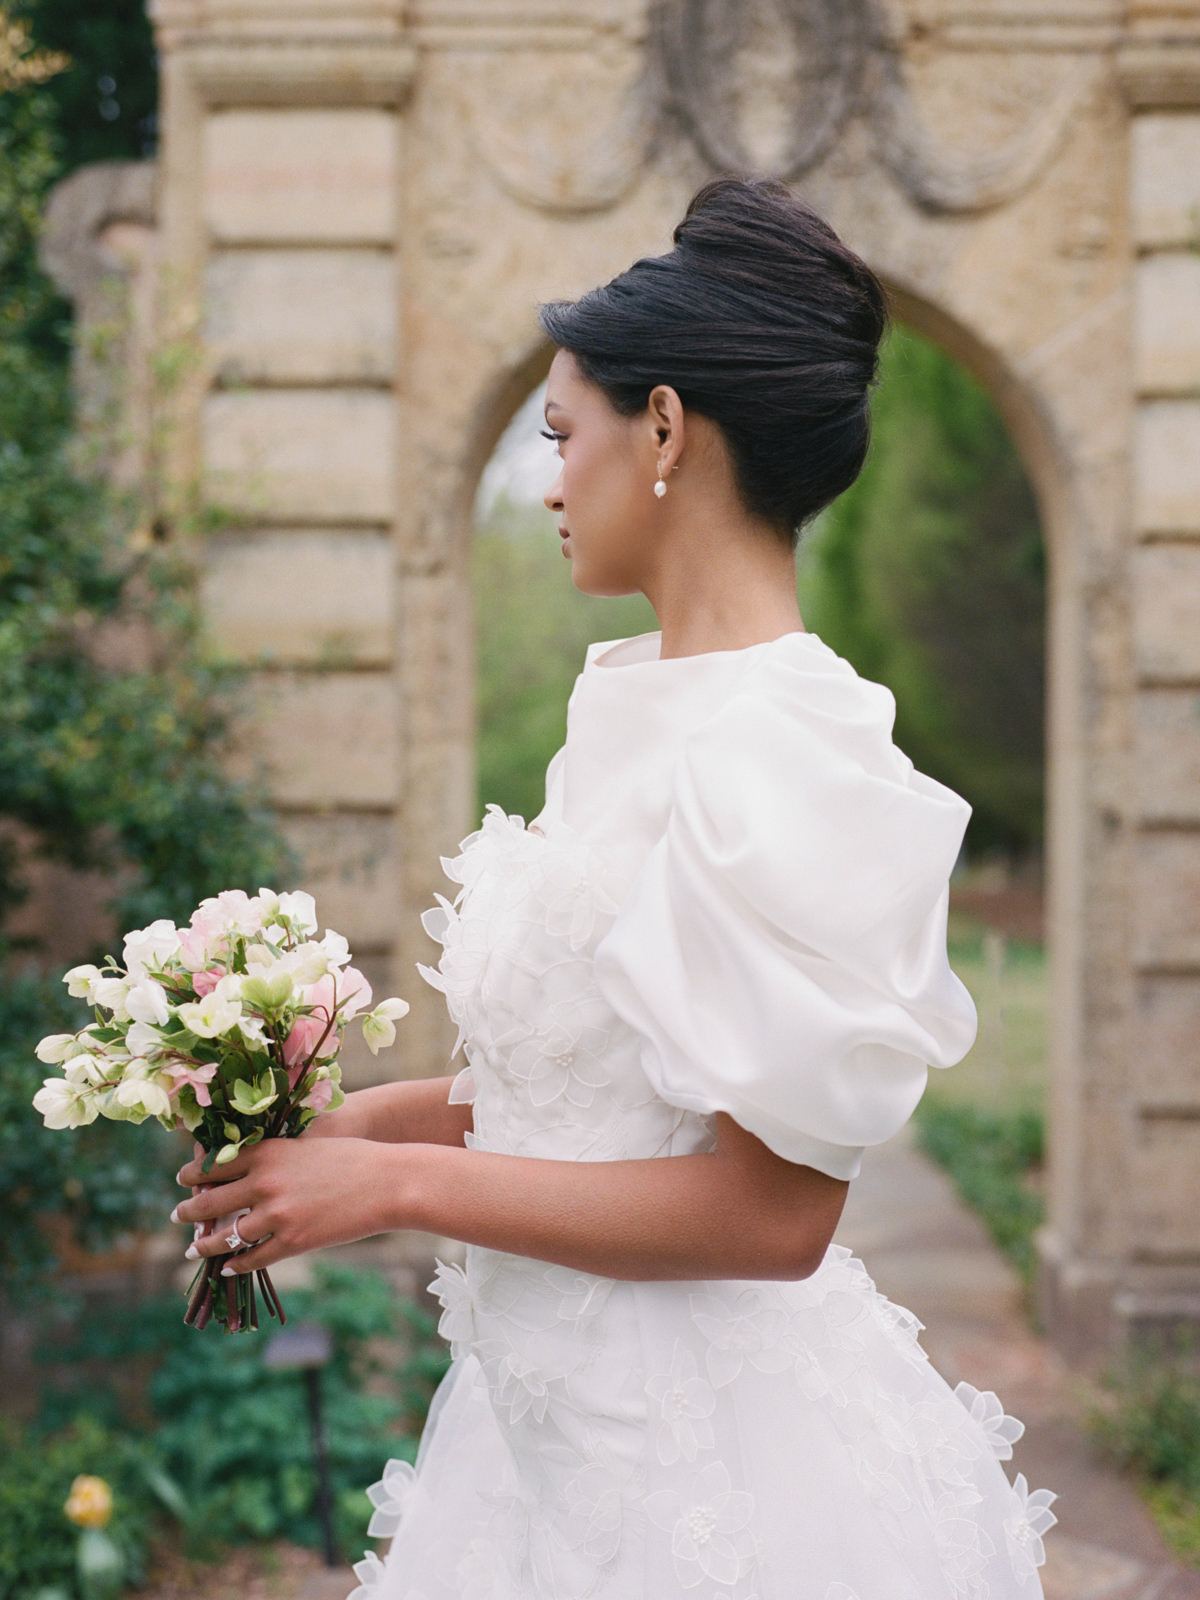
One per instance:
(233,1238)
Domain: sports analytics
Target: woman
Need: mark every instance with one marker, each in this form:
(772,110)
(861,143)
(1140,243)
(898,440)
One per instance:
(721,942)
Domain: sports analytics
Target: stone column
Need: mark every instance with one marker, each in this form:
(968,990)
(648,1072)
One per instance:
(281,179)
(1122,1252)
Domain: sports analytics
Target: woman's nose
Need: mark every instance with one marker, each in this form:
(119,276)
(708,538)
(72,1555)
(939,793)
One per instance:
(552,499)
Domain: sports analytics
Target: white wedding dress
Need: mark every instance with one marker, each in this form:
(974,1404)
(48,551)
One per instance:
(734,899)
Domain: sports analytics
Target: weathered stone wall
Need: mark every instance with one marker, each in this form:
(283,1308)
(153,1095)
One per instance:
(369,198)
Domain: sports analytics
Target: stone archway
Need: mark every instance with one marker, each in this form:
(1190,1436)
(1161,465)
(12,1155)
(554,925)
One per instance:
(368,197)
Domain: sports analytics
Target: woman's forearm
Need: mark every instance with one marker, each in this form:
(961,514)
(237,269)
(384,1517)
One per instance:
(695,1216)
(412,1111)
(739,1211)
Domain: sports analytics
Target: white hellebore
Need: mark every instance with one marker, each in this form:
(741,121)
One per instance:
(79,981)
(151,947)
(65,1105)
(56,1047)
(140,1091)
(216,1013)
(379,1026)
(147,1002)
(109,994)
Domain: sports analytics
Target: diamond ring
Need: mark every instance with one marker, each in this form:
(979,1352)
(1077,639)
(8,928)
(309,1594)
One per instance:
(233,1238)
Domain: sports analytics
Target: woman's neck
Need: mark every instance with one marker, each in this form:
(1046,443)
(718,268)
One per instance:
(717,590)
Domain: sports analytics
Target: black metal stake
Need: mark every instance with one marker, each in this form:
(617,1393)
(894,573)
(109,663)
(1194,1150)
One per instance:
(312,1381)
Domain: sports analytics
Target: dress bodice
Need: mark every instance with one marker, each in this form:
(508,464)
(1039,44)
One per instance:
(733,900)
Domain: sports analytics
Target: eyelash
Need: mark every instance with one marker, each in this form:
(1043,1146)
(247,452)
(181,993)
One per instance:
(554,438)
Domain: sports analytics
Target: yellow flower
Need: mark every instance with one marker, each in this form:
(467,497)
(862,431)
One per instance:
(90,1502)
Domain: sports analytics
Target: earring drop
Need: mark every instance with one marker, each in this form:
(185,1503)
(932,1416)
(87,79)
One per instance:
(660,488)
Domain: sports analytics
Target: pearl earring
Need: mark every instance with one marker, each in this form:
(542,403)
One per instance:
(660,488)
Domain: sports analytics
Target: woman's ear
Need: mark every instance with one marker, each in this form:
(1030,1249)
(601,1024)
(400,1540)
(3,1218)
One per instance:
(667,427)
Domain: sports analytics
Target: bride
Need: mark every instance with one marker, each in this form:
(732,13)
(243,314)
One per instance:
(690,993)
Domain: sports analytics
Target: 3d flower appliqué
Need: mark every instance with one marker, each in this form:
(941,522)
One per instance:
(390,1497)
(709,1526)
(750,1330)
(457,1323)
(1001,1430)
(369,1572)
(684,1402)
(1031,1518)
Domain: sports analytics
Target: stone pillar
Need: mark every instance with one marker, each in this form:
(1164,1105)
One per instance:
(281,181)
(1122,1251)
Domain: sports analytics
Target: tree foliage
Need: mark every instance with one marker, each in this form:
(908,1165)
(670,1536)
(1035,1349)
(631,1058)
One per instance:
(929,576)
(114,730)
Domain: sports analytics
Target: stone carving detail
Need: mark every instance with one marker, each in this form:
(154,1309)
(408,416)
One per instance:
(595,154)
(764,84)
(938,180)
(769,85)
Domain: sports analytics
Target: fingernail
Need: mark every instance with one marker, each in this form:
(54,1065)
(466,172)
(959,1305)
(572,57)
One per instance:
(191,1253)
(175,1214)
(197,1229)
(228,1272)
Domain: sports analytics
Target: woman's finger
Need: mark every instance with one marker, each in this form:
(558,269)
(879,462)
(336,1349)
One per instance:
(219,1201)
(264,1254)
(193,1175)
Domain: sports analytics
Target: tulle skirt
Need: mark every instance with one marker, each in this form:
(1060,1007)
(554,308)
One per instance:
(724,1441)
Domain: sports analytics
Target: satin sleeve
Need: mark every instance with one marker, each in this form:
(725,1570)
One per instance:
(782,950)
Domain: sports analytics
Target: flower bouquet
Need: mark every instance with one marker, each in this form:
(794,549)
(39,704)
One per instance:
(229,1028)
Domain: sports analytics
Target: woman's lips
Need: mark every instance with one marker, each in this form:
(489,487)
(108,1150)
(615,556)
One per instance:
(566,541)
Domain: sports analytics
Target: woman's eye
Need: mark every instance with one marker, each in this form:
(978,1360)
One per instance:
(554,438)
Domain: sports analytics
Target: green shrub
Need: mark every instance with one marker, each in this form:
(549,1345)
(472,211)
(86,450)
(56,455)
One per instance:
(37,1543)
(989,1155)
(99,1181)
(235,1435)
(1151,1424)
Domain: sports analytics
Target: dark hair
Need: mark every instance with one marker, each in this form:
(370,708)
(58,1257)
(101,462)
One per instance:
(762,320)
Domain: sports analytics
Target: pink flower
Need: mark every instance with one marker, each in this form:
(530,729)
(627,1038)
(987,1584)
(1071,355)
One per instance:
(319,1096)
(205,982)
(301,1042)
(198,1077)
(354,990)
(194,943)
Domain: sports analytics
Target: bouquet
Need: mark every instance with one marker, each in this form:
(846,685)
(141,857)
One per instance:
(229,1028)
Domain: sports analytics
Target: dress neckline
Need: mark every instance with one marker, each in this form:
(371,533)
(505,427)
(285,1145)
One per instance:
(642,650)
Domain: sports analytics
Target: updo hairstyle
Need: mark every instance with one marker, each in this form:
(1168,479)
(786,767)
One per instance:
(763,321)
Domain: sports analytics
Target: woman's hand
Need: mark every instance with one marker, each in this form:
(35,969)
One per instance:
(293,1195)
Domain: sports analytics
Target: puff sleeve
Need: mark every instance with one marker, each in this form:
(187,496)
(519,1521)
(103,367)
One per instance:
(782,950)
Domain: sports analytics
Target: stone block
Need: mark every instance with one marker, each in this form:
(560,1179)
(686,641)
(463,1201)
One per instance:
(437,656)
(302,316)
(1166,900)
(301,455)
(350,864)
(1165,179)
(439,810)
(1164,1180)
(1167,324)
(301,176)
(1166,467)
(1166,1043)
(1166,610)
(301,596)
(324,739)
(1166,747)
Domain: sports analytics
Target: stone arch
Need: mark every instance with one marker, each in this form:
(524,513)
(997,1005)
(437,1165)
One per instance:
(368,200)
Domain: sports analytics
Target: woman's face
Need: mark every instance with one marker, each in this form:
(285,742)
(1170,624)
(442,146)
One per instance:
(604,494)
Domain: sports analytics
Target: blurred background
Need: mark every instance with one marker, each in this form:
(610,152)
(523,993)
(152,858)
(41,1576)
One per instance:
(132,667)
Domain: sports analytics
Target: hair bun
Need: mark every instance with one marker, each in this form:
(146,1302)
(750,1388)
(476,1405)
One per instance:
(762,320)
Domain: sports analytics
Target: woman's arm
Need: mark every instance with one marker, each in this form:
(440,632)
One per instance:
(739,1212)
(416,1111)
